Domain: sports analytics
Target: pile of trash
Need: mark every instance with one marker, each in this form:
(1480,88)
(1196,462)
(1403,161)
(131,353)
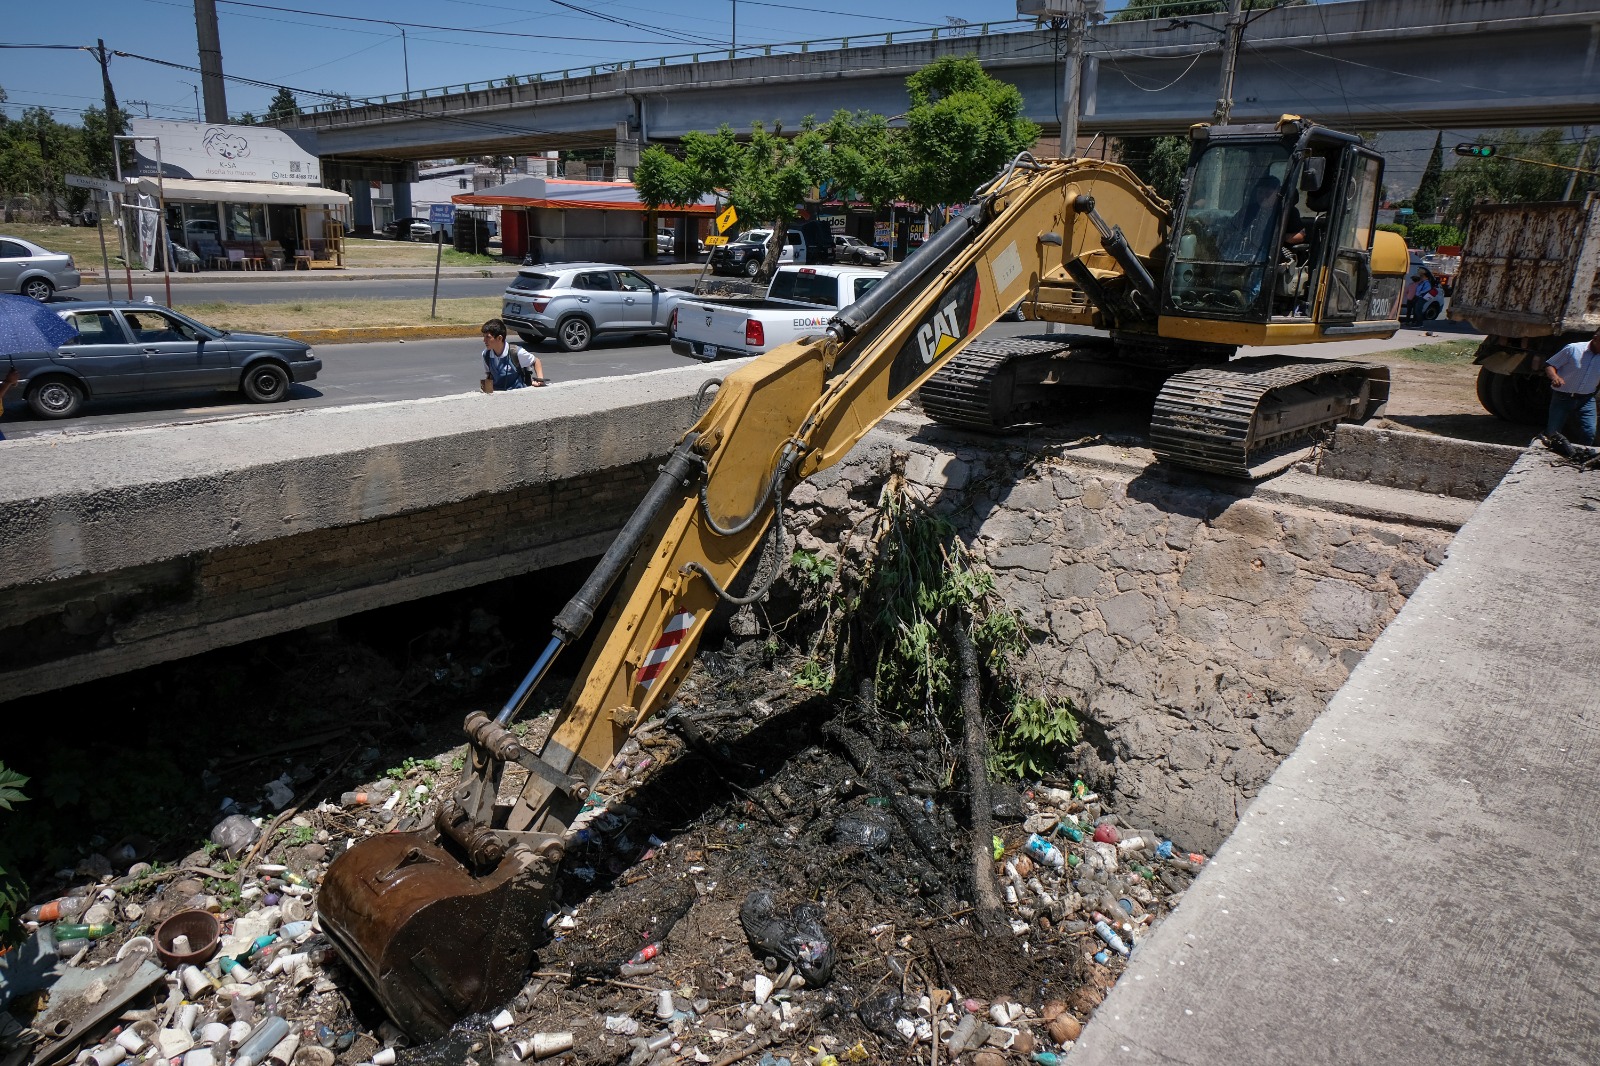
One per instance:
(738,890)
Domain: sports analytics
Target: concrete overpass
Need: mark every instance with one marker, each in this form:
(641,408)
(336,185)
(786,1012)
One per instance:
(1363,64)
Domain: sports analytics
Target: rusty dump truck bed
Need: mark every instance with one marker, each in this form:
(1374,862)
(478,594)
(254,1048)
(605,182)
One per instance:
(1531,270)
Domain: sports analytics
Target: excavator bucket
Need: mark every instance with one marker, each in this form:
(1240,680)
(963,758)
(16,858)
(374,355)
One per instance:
(430,938)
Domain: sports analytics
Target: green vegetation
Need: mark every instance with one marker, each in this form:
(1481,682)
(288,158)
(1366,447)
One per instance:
(13,890)
(1505,178)
(411,766)
(961,128)
(896,620)
(1158,160)
(1447,353)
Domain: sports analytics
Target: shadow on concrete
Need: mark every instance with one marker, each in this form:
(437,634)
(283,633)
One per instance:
(1483,428)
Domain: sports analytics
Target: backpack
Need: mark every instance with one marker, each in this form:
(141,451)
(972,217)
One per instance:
(504,370)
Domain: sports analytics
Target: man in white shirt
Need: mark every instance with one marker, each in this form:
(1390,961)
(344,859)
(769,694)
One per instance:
(1574,374)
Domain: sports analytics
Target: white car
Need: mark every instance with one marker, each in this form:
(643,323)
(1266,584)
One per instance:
(30,270)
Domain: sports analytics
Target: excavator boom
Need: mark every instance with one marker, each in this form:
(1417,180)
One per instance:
(441,922)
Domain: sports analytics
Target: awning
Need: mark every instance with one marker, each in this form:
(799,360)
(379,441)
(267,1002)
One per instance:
(573,195)
(194,190)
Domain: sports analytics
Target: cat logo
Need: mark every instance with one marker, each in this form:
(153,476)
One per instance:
(939,333)
(952,321)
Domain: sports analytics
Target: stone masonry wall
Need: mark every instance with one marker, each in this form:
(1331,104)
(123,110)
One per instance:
(1198,633)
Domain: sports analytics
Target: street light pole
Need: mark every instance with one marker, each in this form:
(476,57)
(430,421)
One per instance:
(405,51)
(196,89)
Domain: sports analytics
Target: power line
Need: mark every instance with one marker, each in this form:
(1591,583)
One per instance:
(435,26)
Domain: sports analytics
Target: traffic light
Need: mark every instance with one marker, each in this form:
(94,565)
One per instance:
(1482,151)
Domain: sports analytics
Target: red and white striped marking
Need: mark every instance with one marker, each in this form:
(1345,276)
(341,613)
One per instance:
(677,628)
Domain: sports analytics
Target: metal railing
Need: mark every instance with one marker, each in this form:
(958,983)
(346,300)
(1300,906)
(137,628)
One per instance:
(751,51)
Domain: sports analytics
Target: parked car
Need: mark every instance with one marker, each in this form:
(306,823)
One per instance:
(132,348)
(410,229)
(854,250)
(573,303)
(665,243)
(811,243)
(33,271)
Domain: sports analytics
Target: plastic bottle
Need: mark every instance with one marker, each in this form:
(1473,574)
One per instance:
(1113,941)
(1044,851)
(367,797)
(56,909)
(1070,831)
(76,931)
(260,1042)
(646,953)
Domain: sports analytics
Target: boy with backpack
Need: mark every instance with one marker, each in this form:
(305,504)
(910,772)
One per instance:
(507,366)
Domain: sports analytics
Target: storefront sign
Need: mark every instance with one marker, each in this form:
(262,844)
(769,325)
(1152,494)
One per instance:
(227,153)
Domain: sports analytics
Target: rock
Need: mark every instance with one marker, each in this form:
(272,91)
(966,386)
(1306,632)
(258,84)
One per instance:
(1340,609)
(1033,557)
(1064,1028)
(1074,581)
(1031,496)
(1353,559)
(1236,569)
(1189,751)
(1130,616)
(935,471)
(988,1058)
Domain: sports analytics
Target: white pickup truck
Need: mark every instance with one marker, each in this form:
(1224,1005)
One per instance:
(799,303)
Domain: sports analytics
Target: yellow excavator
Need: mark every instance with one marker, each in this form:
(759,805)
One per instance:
(1273,240)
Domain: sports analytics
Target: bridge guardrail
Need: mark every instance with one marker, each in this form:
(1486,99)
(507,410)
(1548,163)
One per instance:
(824,44)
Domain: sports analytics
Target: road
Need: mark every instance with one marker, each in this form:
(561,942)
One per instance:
(389,371)
(358,373)
(191,293)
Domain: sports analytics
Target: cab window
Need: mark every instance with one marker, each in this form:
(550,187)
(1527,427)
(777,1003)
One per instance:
(1230,235)
(96,327)
(628,281)
(596,281)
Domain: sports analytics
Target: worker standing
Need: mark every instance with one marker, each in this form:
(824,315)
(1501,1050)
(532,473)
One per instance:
(1574,374)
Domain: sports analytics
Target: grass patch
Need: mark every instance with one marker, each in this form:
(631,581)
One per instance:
(468,312)
(80,242)
(360,252)
(1447,353)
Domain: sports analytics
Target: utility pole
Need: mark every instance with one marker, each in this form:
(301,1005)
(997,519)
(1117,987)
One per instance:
(112,111)
(1071,17)
(196,89)
(1572,179)
(210,41)
(733,42)
(1230,62)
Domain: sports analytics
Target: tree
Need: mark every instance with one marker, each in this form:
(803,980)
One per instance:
(1502,179)
(36,152)
(765,177)
(962,127)
(1431,188)
(1160,161)
(283,106)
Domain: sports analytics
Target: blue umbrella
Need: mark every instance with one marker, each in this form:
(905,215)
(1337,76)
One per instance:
(28,326)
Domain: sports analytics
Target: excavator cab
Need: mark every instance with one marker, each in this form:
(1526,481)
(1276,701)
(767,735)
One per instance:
(1275,235)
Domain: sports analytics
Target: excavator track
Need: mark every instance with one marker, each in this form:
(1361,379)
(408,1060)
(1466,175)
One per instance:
(1236,419)
(995,383)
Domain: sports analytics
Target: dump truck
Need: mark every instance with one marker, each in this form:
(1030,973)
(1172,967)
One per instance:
(445,920)
(1530,282)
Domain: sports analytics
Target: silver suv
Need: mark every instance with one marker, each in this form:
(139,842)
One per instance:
(574,302)
(33,271)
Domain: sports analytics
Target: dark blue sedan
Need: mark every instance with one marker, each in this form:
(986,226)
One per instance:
(124,349)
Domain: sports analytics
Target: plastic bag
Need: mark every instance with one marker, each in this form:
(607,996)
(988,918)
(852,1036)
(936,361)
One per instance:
(797,938)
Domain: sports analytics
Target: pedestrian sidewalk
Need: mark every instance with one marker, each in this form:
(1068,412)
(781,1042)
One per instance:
(1414,883)
(258,277)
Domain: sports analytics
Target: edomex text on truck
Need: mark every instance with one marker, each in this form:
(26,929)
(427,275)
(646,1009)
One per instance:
(445,920)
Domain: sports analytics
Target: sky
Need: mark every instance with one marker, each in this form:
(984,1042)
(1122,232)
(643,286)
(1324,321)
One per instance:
(304,49)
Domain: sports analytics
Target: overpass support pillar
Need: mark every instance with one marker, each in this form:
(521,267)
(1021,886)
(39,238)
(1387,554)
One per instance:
(361,206)
(627,152)
(402,197)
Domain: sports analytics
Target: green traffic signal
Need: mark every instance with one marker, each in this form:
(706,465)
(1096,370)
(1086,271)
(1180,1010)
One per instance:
(1482,151)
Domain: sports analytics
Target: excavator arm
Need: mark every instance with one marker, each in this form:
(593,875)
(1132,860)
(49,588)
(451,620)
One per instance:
(476,882)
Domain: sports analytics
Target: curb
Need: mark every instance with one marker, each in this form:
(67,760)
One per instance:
(368,334)
(305,277)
